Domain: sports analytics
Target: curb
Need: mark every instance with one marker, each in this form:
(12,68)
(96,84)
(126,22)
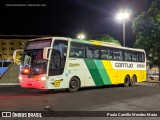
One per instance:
(152,81)
(148,84)
(9,83)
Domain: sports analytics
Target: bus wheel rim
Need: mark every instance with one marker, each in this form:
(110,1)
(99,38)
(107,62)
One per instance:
(133,79)
(73,84)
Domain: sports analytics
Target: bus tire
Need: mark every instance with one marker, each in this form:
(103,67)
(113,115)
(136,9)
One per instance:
(74,84)
(126,81)
(133,80)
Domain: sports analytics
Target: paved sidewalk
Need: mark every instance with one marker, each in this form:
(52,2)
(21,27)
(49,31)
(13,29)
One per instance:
(149,83)
(153,81)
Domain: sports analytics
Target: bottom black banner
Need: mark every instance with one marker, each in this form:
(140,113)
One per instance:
(80,114)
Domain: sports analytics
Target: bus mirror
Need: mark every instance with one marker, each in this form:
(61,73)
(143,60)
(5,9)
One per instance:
(45,52)
(15,53)
(16,57)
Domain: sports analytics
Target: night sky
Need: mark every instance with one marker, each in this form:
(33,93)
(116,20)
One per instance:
(69,17)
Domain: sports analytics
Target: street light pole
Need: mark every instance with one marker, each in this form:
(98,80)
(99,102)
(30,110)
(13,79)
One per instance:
(123,16)
(124,33)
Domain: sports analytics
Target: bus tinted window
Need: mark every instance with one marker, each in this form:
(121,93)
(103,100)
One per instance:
(77,50)
(105,53)
(58,57)
(134,57)
(118,54)
(38,44)
(127,56)
(93,52)
(110,54)
(141,57)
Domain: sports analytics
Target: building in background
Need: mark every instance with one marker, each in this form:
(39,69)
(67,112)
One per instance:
(9,43)
(7,47)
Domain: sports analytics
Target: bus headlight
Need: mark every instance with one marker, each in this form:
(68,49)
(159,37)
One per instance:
(20,77)
(43,78)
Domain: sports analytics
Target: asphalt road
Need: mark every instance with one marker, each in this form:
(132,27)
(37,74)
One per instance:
(142,97)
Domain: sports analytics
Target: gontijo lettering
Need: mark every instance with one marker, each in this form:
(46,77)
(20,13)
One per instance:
(124,65)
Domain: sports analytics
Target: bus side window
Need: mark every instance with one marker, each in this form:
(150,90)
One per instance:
(93,52)
(110,54)
(89,52)
(104,53)
(96,54)
(77,50)
(118,55)
(134,57)
(140,57)
(127,56)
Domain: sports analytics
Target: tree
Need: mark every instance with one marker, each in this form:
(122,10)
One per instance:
(146,27)
(105,38)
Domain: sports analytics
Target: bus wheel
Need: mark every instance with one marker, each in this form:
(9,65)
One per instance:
(126,81)
(133,80)
(74,84)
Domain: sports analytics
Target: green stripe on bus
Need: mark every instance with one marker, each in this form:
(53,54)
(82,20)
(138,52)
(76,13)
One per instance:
(82,41)
(94,72)
(103,72)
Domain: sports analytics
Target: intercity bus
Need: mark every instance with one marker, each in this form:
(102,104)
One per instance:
(59,62)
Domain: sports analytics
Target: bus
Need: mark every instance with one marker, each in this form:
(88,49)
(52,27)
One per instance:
(60,62)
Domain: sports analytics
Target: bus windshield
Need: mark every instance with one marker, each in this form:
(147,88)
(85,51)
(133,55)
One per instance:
(34,61)
(38,44)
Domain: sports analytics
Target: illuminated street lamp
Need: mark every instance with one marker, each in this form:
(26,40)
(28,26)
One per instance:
(81,36)
(122,16)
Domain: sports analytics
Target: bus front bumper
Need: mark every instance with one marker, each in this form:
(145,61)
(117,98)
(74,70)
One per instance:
(37,84)
(26,82)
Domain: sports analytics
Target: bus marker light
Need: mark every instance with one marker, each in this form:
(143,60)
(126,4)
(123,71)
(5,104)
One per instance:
(35,76)
(43,78)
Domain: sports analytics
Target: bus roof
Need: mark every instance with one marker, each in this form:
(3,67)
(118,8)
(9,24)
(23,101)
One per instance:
(91,42)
